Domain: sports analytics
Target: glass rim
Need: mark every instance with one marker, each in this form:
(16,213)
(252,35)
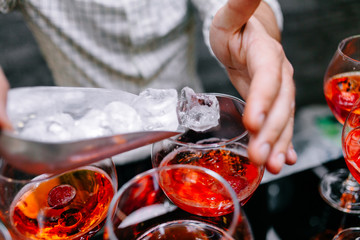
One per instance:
(35,178)
(345,231)
(341,45)
(152,171)
(219,143)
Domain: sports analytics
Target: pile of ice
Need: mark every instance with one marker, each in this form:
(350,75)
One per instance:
(56,114)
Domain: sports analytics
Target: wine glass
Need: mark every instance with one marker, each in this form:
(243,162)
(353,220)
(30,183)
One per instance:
(222,149)
(342,90)
(70,205)
(352,233)
(174,202)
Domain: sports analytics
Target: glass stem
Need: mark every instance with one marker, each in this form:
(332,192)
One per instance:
(350,184)
(350,194)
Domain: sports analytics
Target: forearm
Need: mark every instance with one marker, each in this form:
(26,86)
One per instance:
(265,14)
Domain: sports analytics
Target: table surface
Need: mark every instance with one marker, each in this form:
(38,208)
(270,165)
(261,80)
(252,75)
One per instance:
(286,208)
(292,208)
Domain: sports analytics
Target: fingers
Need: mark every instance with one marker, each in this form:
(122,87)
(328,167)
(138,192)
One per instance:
(235,14)
(265,61)
(270,104)
(266,83)
(272,144)
(282,151)
(4,87)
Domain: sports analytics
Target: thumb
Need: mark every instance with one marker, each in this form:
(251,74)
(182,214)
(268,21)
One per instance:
(234,14)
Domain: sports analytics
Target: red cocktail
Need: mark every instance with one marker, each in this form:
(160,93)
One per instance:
(341,93)
(70,205)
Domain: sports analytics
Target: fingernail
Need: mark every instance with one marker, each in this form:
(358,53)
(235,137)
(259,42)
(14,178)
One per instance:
(264,152)
(291,155)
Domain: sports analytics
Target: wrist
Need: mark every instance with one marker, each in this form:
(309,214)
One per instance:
(266,16)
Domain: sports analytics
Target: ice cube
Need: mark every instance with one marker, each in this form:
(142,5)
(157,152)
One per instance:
(60,127)
(157,109)
(30,105)
(34,131)
(198,111)
(122,117)
(93,124)
(51,128)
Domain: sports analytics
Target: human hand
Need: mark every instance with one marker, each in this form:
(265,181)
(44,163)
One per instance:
(4,87)
(245,39)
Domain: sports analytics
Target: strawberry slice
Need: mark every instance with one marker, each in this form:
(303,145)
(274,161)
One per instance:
(352,145)
(61,196)
(345,99)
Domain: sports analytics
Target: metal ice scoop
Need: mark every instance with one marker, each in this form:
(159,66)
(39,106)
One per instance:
(114,124)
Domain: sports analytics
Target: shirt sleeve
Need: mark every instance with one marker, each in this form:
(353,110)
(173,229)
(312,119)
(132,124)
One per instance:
(7,5)
(208,8)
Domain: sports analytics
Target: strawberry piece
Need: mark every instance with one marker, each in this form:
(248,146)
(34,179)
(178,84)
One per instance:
(352,145)
(61,196)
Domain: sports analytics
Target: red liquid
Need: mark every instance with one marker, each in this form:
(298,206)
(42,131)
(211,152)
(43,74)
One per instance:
(341,93)
(352,152)
(196,192)
(242,175)
(63,207)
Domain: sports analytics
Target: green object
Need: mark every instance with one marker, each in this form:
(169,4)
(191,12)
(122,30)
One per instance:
(329,126)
